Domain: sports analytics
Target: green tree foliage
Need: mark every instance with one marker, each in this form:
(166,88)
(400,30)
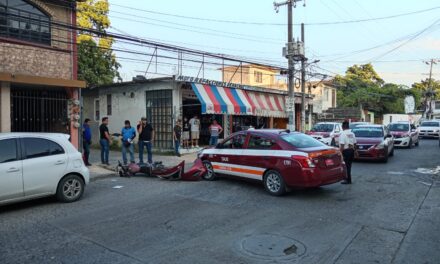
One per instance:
(97,64)
(362,86)
(423,87)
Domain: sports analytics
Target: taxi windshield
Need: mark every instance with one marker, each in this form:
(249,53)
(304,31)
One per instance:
(368,132)
(323,128)
(430,124)
(399,127)
(301,141)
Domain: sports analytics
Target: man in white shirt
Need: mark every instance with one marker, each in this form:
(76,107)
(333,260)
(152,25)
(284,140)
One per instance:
(347,145)
(195,131)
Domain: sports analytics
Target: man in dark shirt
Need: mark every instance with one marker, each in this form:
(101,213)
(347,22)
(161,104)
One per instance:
(177,134)
(146,138)
(104,140)
(185,134)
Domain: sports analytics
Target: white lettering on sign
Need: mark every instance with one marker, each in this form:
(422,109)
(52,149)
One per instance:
(225,159)
(287,162)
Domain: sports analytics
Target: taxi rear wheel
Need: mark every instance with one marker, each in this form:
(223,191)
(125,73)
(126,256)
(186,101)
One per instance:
(274,183)
(209,175)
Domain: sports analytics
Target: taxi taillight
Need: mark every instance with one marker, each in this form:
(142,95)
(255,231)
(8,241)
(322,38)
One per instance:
(305,161)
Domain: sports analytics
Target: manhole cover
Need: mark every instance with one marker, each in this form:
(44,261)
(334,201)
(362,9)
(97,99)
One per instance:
(272,246)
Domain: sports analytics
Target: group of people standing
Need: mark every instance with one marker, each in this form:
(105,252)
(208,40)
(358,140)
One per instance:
(188,133)
(144,130)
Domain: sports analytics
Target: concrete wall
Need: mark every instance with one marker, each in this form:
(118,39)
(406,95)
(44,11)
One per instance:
(323,98)
(5,107)
(128,103)
(29,58)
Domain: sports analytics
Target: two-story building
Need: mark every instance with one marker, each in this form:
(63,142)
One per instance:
(39,90)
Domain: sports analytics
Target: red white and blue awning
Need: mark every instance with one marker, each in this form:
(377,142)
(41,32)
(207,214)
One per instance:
(222,100)
(267,104)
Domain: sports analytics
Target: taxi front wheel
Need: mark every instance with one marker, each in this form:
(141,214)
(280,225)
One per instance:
(209,175)
(274,183)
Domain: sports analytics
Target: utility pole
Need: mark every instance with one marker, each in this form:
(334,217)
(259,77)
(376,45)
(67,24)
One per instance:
(429,92)
(289,52)
(303,85)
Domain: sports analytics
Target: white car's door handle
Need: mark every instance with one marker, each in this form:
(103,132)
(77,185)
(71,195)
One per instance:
(13,170)
(59,162)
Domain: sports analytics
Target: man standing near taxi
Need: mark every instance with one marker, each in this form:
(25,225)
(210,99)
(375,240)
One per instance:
(347,145)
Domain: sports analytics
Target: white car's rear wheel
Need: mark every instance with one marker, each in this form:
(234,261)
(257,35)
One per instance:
(70,189)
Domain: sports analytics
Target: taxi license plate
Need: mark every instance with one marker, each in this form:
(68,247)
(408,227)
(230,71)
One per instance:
(329,162)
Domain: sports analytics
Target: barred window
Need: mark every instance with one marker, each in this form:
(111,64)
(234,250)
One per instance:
(160,114)
(21,20)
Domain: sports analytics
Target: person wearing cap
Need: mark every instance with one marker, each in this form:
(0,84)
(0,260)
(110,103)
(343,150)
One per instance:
(146,138)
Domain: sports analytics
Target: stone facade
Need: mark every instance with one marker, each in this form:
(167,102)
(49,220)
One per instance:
(28,60)
(53,61)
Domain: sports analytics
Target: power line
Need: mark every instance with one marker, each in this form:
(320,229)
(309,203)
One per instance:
(406,42)
(277,24)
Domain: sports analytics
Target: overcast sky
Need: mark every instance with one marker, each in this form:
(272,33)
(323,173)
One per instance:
(402,43)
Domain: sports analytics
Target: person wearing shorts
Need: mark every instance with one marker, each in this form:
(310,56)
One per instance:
(195,131)
(185,134)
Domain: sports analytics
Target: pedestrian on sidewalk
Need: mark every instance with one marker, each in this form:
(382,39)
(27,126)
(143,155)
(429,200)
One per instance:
(185,135)
(195,131)
(104,140)
(87,141)
(128,134)
(146,138)
(347,145)
(215,130)
(177,133)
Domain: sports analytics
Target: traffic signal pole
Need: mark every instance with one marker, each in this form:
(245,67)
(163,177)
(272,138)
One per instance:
(303,85)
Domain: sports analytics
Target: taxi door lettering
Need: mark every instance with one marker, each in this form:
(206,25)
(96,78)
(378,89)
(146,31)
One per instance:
(225,159)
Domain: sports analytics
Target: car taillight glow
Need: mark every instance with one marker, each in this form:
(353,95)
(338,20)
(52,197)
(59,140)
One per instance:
(305,161)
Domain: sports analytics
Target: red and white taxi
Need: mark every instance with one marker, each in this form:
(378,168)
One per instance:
(374,142)
(405,134)
(326,132)
(278,158)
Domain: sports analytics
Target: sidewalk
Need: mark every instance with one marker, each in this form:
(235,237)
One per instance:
(98,170)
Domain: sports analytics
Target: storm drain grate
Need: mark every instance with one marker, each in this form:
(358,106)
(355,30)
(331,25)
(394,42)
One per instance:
(272,247)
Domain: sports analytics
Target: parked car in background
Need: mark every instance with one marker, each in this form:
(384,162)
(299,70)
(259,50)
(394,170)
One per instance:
(36,165)
(356,124)
(326,132)
(374,142)
(278,158)
(404,133)
(429,129)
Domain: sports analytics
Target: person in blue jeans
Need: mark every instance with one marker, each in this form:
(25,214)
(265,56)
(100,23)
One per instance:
(146,138)
(104,140)
(215,130)
(128,134)
(87,140)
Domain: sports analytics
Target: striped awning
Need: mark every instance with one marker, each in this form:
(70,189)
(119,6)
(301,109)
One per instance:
(266,104)
(222,100)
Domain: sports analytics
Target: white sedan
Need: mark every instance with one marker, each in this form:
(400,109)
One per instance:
(37,165)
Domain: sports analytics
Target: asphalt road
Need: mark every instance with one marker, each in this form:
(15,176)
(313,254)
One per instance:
(391,214)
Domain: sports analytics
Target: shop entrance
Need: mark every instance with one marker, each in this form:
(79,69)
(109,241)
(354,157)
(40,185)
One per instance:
(191,106)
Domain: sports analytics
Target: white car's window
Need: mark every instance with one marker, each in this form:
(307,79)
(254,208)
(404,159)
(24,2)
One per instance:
(323,127)
(8,150)
(399,127)
(430,124)
(38,147)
